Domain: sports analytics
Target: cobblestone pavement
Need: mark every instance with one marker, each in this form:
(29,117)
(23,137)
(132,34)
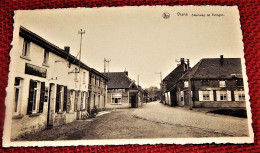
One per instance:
(158,112)
(118,124)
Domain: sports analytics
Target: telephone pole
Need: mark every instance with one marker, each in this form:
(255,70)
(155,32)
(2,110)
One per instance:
(81,32)
(189,83)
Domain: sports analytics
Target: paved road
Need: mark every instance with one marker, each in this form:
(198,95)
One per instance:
(118,124)
(158,112)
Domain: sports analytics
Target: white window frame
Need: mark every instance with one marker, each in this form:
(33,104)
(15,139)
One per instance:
(205,93)
(61,98)
(16,105)
(238,95)
(222,83)
(26,49)
(186,84)
(36,98)
(72,100)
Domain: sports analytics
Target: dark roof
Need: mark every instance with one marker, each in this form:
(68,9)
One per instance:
(118,80)
(172,78)
(27,34)
(211,68)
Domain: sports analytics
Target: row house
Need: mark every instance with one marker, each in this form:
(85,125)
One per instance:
(49,86)
(215,82)
(122,92)
(169,81)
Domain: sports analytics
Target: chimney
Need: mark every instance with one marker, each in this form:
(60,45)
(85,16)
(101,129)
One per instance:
(221,59)
(126,73)
(67,49)
(182,61)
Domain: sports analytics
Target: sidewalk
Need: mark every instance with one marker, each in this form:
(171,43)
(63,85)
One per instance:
(158,112)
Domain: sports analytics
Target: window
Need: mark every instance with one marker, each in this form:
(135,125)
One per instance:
(222,83)
(240,82)
(205,95)
(239,95)
(61,98)
(76,75)
(223,96)
(26,48)
(46,95)
(186,84)
(36,97)
(17,96)
(84,77)
(45,58)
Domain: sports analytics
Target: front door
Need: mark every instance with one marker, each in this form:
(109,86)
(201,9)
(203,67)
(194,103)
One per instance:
(133,100)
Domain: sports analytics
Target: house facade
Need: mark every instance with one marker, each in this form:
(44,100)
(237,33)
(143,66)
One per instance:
(215,82)
(122,92)
(49,86)
(169,97)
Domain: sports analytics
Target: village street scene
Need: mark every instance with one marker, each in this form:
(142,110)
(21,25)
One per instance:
(77,102)
(143,76)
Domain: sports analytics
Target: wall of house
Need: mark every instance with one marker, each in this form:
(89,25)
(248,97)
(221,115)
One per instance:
(57,73)
(214,87)
(124,101)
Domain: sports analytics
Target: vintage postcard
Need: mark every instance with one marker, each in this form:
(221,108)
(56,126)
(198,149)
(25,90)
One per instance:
(127,75)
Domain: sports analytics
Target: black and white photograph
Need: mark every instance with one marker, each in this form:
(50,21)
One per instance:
(127,75)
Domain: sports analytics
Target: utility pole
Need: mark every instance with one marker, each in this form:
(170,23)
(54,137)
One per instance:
(81,32)
(189,83)
(104,65)
(138,79)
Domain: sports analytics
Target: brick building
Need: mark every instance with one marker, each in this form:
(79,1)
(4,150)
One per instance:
(215,82)
(47,87)
(122,92)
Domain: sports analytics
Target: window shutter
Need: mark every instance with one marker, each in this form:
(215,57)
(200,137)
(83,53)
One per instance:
(81,100)
(200,96)
(236,96)
(42,97)
(218,95)
(65,99)
(229,95)
(30,98)
(76,101)
(211,96)
(57,99)
(68,101)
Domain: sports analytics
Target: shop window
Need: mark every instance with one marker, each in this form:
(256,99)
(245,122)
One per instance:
(26,49)
(46,58)
(222,83)
(17,96)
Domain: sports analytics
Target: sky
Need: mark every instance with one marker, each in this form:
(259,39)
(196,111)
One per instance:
(139,39)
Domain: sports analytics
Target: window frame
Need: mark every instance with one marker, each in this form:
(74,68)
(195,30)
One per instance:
(46,58)
(222,83)
(17,101)
(26,49)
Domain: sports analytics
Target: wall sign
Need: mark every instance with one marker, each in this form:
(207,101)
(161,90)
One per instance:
(35,70)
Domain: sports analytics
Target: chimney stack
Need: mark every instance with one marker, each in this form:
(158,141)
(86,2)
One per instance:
(182,61)
(67,49)
(126,73)
(221,59)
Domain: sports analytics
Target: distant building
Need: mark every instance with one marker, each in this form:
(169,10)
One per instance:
(122,92)
(48,87)
(215,82)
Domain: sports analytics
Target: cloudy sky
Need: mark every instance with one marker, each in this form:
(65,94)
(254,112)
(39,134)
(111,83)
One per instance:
(139,39)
